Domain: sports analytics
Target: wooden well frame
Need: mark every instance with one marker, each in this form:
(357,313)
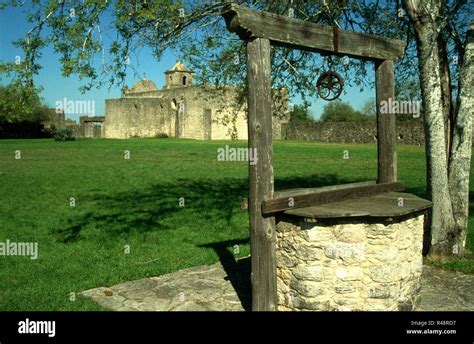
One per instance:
(261,30)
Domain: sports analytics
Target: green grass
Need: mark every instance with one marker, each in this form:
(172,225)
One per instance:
(136,202)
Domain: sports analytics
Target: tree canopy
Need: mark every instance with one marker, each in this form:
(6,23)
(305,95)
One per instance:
(18,105)
(98,40)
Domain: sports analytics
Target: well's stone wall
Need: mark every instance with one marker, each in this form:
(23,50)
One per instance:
(349,266)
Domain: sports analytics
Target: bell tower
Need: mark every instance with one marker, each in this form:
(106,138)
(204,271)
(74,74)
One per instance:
(179,76)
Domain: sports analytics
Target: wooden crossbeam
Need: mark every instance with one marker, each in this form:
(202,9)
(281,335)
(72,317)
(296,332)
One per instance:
(244,201)
(302,191)
(298,34)
(343,192)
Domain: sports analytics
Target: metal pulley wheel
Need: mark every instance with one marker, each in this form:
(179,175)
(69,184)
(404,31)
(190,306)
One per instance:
(330,85)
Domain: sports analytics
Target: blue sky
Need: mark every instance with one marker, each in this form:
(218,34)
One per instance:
(13,25)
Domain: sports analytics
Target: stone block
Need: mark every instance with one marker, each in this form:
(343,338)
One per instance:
(345,251)
(350,303)
(285,261)
(285,227)
(349,273)
(385,253)
(307,288)
(308,272)
(318,234)
(385,273)
(346,287)
(383,291)
(350,233)
(308,254)
(302,303)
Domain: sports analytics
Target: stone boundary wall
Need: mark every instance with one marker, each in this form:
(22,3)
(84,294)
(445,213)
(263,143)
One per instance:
(408,132)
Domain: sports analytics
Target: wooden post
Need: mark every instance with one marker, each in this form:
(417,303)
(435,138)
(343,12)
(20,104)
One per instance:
(262,229)
(386,130)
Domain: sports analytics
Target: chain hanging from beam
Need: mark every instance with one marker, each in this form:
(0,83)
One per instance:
(330,83)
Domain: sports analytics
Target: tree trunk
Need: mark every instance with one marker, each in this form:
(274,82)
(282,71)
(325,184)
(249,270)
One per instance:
(446,93)
(460,159)
(442,221)
(447,188)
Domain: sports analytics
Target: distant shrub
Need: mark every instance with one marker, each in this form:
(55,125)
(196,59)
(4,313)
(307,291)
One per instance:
(51,131)
(339,111)
(300,114)
(161,135)
(65,134)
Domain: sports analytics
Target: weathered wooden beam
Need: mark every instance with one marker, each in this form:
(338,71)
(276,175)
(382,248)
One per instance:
(387,206)
(302,191)
(386,130)
(244,201)
(298,34)
(262,229)
(344,192)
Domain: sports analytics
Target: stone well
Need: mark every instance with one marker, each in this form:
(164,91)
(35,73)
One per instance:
(356,264)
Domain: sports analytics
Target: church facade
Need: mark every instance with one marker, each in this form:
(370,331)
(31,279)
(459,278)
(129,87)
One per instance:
(183,110)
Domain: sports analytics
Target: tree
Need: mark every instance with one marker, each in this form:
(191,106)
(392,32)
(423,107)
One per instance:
(300,114)
(448,128)
(439,50)
(18,105)
(339,111)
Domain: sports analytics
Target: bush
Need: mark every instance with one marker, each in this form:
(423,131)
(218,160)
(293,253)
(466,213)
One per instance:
(161,135)
(339,111)
(65,134)
(300,114)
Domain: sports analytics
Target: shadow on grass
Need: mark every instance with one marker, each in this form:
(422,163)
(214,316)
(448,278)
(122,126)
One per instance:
(238,271)
(157,208)
(209,200)
(149,209)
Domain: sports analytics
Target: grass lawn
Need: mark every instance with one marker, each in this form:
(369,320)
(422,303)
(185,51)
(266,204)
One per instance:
(135,204)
